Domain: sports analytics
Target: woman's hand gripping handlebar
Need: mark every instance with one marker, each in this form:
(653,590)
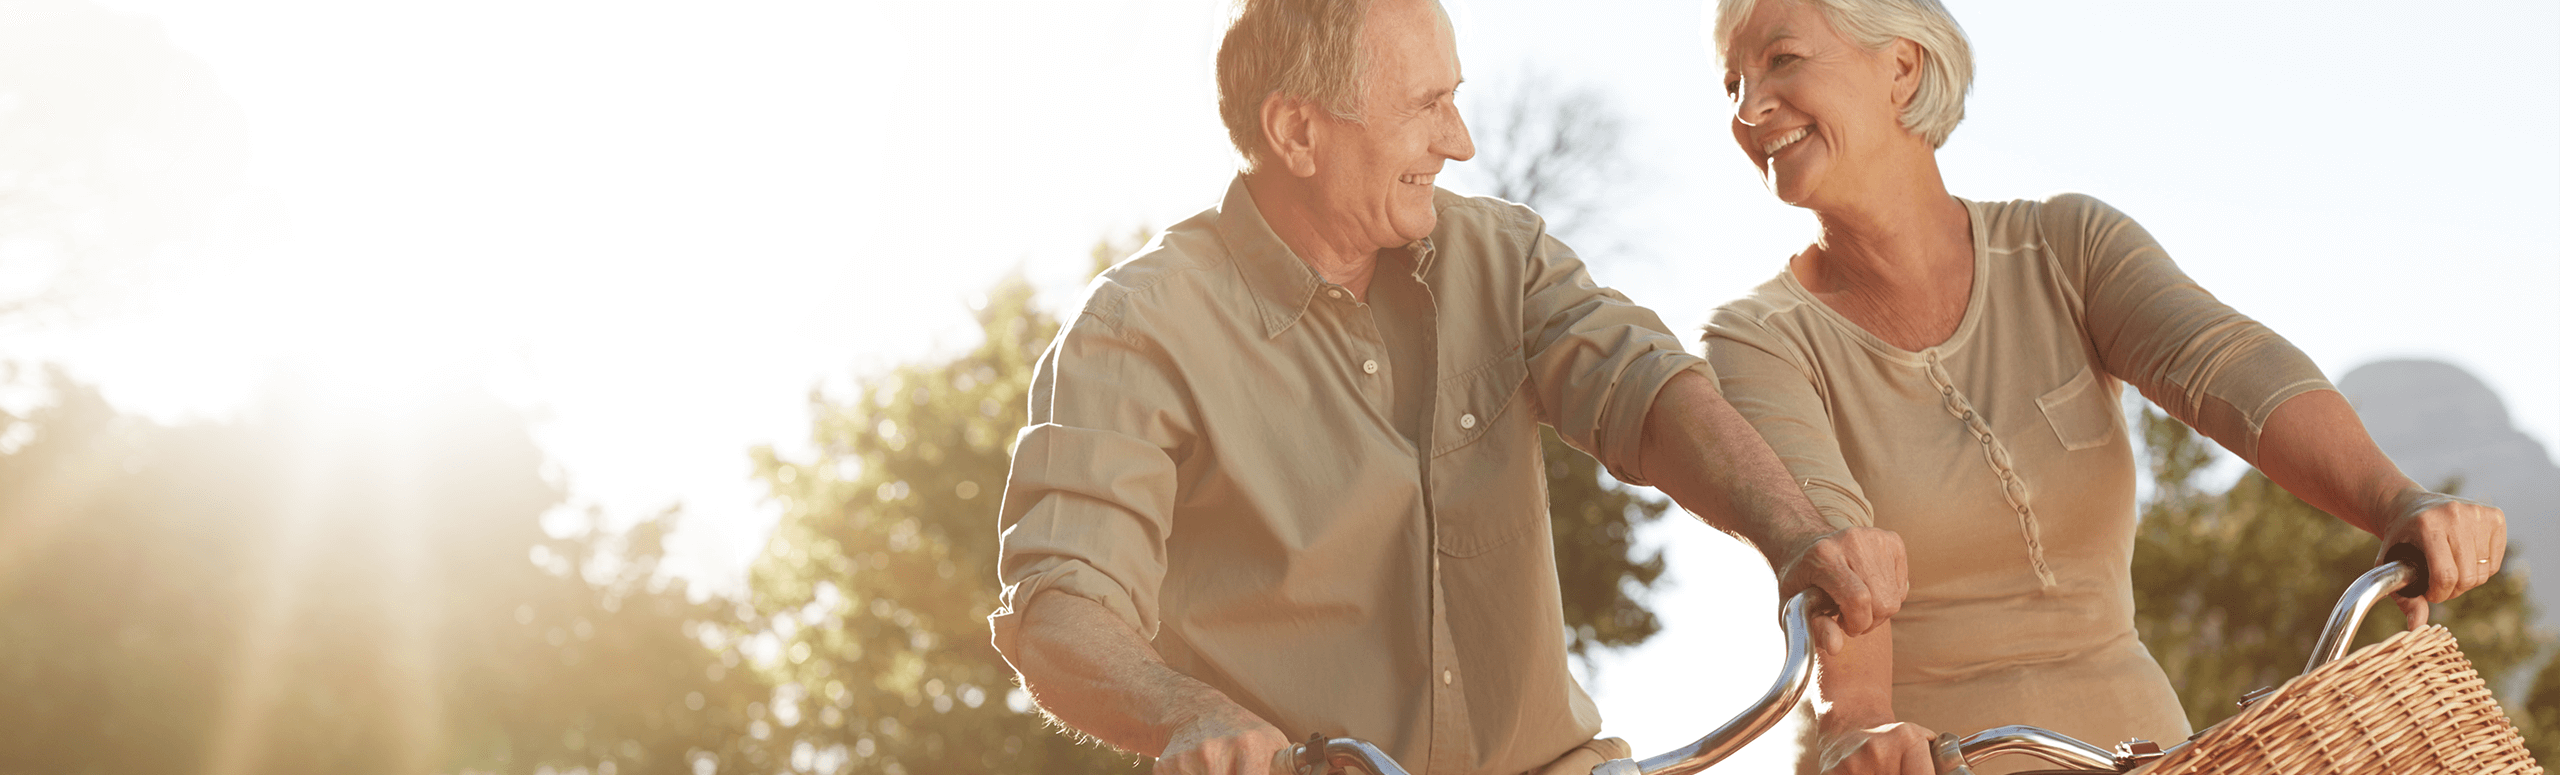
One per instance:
(1320,754)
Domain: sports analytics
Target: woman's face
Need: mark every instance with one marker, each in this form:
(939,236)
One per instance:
(1816,113)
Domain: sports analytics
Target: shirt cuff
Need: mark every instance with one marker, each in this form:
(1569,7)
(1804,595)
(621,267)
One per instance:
(1622,429)
(1072,577)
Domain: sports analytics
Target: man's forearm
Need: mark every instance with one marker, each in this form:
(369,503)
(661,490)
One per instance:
(1703,454)
(1088,670)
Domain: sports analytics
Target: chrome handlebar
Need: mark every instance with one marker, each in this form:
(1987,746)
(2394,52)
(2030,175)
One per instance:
(2405,573)
(1793,676)
(1796,617)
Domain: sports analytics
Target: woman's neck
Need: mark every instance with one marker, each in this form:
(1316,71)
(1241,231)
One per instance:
(1897,261)
(1895,236)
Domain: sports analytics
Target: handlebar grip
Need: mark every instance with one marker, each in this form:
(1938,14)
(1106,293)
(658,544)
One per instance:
(2414,557)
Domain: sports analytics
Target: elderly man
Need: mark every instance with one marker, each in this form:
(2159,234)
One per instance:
(1282,474)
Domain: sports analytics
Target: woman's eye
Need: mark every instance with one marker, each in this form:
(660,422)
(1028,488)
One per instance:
(1782,60)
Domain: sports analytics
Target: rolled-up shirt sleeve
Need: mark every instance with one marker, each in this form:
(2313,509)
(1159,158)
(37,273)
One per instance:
(2153,327)
(1090,498)
(1596,359)
(1772,385)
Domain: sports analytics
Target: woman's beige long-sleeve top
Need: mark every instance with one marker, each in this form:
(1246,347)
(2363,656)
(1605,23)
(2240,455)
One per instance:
(2001,457)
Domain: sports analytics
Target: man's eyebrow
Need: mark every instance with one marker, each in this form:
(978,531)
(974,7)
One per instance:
(1435,94)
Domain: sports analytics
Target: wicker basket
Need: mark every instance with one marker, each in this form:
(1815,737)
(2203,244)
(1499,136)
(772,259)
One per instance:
(2406,706)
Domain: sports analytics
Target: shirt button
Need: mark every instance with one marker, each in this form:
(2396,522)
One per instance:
(1446,676)
(1466,421)
(1369,366)
(1335,293)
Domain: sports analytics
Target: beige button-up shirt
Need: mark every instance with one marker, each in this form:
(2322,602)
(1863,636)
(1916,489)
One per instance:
(1334,511)
(2001,457)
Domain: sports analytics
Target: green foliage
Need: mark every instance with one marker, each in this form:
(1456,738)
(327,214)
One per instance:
(879,579)
(2540,721)
(2232,589)
(874,593)
(309,593)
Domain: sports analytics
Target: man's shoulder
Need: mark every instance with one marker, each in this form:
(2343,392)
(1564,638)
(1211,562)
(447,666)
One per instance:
(1464,215)
(1180,272)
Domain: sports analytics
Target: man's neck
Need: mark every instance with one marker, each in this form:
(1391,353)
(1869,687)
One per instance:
(1337,256)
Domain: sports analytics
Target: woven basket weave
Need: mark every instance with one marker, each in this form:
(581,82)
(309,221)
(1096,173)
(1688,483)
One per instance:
(2409,705)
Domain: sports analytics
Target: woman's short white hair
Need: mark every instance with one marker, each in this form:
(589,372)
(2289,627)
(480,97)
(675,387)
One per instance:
(1946,70)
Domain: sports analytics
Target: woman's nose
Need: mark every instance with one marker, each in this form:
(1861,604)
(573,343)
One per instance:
(1752,103)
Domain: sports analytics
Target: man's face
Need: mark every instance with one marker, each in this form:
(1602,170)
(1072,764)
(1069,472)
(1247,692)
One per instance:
(1373,179)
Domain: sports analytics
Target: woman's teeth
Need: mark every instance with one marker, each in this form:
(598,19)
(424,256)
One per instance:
(1785,140)
(1418,180)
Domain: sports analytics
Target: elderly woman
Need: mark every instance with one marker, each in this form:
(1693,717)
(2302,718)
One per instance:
(1949,370)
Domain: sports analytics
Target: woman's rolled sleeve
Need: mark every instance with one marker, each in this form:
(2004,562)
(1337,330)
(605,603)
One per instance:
(1090,498)
(1597,359)
(2155,328)
(1780,401)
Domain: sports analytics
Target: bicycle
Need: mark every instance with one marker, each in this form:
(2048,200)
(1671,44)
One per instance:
(2403,573)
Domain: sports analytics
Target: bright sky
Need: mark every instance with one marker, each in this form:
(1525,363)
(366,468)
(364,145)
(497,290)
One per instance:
(660,224)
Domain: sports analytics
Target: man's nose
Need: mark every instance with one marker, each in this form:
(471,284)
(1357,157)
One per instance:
(1454,143)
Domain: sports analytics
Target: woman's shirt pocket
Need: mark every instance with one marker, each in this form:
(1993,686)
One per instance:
(2081,412)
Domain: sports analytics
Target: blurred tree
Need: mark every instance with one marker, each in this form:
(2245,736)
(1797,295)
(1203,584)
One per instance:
(880,577)
(306,592)
(2540,719)
(2232,589)
(1554,147)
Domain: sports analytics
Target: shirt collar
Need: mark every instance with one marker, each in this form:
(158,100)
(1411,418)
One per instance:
(1282,284)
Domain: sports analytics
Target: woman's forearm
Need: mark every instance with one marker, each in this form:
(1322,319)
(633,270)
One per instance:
(1853,688)
(2315,447)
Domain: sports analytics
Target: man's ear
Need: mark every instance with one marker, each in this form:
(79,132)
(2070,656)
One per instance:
(1289,129)
(1906,59)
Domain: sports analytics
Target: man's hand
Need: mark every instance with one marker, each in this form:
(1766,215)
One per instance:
(1222,741)
(2465,543)
(1863,570)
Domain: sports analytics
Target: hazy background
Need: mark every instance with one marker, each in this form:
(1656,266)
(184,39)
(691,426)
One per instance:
(659,226)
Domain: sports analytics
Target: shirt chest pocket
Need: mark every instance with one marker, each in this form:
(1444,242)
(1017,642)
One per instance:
(1487,484)
(2081,412)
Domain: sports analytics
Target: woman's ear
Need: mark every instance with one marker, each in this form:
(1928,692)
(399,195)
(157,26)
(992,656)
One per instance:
(1906,59)
(1289,129)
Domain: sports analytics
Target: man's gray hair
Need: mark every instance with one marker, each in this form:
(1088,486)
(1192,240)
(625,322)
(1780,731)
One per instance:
(1298,49)
(1946,70)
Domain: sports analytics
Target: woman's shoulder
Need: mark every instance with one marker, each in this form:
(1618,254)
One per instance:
(2050,217)
(1775,317)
